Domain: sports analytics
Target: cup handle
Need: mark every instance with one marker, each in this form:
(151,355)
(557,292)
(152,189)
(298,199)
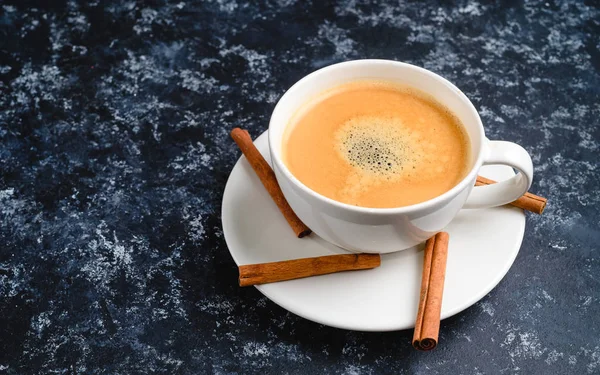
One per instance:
(503,192)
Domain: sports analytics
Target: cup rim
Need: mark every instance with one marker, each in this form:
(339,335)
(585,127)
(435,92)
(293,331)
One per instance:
(428,204)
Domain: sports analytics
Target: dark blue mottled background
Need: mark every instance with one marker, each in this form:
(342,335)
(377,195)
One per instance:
(114,152)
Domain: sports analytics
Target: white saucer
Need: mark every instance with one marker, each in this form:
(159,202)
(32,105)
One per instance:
(483,246)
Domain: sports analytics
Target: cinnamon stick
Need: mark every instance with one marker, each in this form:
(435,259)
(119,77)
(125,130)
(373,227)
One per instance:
(529,202)
(255,274)
(267,177)
(427,325)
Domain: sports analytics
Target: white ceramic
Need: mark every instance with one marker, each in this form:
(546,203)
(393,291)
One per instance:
(483,246)
(392,229)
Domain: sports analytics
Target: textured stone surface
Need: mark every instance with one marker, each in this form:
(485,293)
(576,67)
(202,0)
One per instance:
(114,153)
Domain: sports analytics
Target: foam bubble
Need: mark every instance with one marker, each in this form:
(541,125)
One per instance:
(379,149)
(378,146)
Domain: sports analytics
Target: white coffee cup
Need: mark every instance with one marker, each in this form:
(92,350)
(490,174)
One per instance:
(383,230)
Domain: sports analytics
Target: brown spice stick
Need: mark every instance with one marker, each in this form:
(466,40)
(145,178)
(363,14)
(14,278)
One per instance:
(255,274)
(529,202)
(267,177)
(427,325)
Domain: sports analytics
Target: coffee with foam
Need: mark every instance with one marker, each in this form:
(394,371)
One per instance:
(376,144)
